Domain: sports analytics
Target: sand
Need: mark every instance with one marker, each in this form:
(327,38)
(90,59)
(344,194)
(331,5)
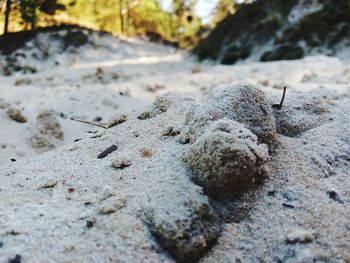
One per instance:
(138,203)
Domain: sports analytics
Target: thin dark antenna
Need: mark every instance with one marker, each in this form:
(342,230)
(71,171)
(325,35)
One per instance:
(279,106)
(91,123)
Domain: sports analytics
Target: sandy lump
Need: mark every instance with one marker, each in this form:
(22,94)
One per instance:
(186,229)
(12,112)
(160,105)
(227,159)
(48,134)
(243,103)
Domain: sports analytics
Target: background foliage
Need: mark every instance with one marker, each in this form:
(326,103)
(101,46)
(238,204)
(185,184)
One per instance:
(179,25)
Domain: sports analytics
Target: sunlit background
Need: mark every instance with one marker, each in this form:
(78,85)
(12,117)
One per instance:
(178,21)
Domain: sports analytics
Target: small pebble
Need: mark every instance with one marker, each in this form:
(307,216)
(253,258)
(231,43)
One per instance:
(171,131)
(121,164)
(90,223)
(16,115)
(48,184)
(16,259)
(299,236)
(111,205)
(145,115)
(107,151)
(288,205)
(334,196)
(271,193)
(117,121)
(98,119)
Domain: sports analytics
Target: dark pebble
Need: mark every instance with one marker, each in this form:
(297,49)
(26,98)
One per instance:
(288,205)
(16,259)
(89,224)
(107,151)
(334,196)
(271,193)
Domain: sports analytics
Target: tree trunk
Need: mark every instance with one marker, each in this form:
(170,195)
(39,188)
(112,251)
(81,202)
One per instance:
(127,20)
(7,15)
(121,17)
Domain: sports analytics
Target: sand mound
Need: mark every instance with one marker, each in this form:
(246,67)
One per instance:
(76,204)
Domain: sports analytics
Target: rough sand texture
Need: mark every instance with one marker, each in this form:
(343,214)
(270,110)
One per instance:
(68,205)
(139,201)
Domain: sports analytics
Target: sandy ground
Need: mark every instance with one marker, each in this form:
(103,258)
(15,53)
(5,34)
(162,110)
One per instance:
(103,83)
(67,205)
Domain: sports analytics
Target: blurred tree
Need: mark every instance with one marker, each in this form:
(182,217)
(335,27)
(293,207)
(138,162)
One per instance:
(28,9)
(7,16)
(121,17)
(223,8)
(51,6)
(129,17)
(185,23)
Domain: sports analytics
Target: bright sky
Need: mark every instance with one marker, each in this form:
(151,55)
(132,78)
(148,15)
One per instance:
(203,8)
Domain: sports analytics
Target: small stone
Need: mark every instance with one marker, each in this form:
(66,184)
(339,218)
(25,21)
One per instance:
(98,119)
(334,196)
(16,115)
(121,164)
(155,87)
(271,193)
(16,259)
(117,121)
(108,151)
(171,131)
(286,205)
(90,223)
(111,205)
(298,236)
(145,115)
(23,81)
(160,105)
(48,184)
